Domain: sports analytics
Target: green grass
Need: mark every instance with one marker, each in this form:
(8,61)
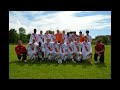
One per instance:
(46,70)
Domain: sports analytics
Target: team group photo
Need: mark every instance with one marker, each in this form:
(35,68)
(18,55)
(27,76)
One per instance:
(55,48)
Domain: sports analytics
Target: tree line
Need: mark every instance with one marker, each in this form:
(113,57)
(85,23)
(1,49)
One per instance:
(14,36)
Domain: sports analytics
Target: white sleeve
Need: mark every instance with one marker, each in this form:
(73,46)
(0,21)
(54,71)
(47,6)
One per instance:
(30,38)
(90,39)
(90,47)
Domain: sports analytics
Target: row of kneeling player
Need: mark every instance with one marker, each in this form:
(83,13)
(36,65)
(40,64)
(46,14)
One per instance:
(61,52)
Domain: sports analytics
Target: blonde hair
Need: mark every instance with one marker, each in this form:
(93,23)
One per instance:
(19,41)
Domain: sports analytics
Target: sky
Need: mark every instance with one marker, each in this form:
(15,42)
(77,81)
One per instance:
(97,22)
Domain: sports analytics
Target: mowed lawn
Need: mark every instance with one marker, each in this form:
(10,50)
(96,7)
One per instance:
(53,70)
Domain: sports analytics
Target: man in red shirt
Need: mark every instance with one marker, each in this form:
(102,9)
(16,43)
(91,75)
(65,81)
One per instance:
(99,51)
(81,37)
(21,51)
(58,36)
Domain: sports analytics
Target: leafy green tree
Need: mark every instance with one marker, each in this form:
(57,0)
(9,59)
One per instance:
(22,33)
(13,36)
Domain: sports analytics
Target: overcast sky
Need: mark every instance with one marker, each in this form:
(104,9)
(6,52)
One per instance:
(97,22)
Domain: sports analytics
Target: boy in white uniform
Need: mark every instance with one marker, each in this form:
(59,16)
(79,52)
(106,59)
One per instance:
(87,50)
(40,37)
(52,36)
(77,49)
(46,36)
(88,36)
(70,48)
(63,51)
(55,48)
(48,50)
(31,50)
(64,37)
(33,36)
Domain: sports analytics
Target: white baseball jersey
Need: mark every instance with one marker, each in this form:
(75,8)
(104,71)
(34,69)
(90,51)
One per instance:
(74,37)
(86,50)
(55,47)
(40,38)
(70,47)
(63,48)
(77,46)
(46,36)
(31,49)
(86,47)
(89,38)
(48,48)
(65,38)
(52,37)
(33,36)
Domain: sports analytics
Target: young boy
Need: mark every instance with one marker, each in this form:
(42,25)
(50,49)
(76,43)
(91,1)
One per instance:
(99,51)
(31,50)
(55,48)
(87,50)
(63,52)
(48,50)
(70,48)
(34,36)
(77,50)
(21,51)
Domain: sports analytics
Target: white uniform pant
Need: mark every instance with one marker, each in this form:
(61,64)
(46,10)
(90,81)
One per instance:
(31,54)
(78,56)
(86,55)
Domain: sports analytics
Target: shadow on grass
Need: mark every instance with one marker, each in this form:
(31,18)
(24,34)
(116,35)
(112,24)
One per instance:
(101,65)
(84,64)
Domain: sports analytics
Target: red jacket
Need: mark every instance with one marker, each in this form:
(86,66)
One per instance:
(100,47)
(20,49)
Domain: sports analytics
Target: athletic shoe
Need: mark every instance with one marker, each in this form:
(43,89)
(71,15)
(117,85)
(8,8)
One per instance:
(18,59)
(95,62)
(73,60)
(91,62)
(25,60)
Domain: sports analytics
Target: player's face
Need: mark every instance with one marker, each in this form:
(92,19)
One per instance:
(57,31)
(41,32)
(85,38)
(19,43)
(87,33)
(80,34)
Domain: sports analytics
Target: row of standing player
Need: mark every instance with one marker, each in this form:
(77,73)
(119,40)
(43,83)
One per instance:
(47,47)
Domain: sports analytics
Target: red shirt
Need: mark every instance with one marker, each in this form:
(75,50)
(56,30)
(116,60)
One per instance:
(20,49)
(81,38)
(59,37)
(100,47)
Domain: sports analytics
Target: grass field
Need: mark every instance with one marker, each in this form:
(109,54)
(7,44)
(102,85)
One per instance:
(46,70)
